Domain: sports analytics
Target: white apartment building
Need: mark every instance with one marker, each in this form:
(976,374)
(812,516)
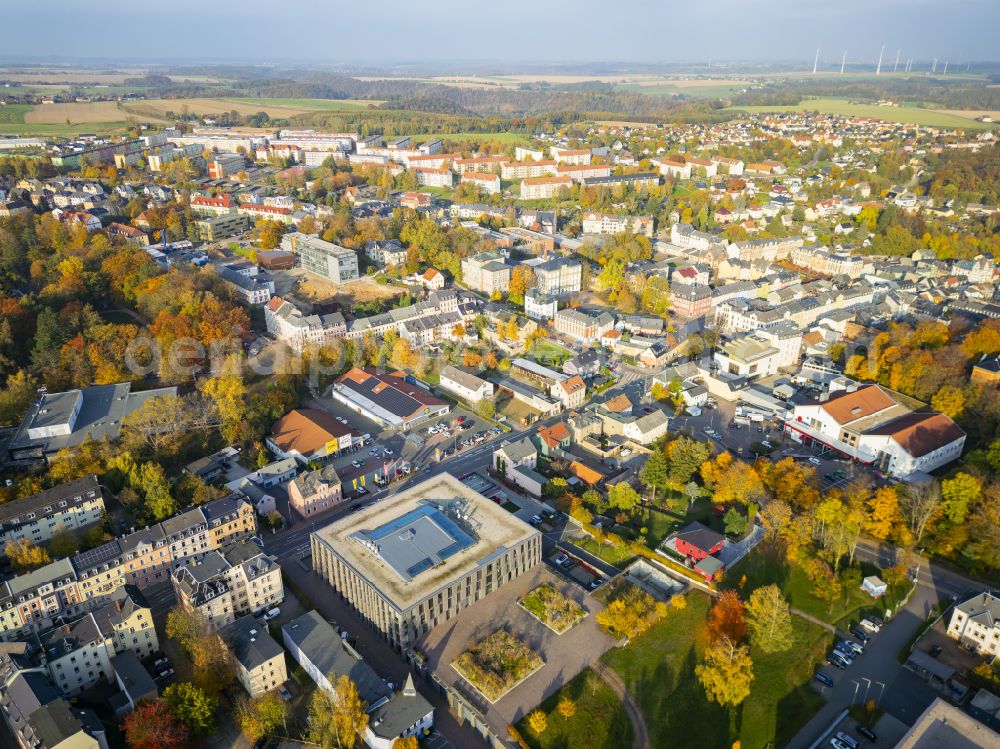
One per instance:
(609,223)
(671,168)
(539,306)
(583,326)
(385,253)
(539,188)
(528,169)
(488,183)
(480,164)
(434,177)
(976,622)
(574,156)
(528,154)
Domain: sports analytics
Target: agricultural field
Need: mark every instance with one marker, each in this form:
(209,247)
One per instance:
(907,115)
(13,114)
(305,105)
(76,113)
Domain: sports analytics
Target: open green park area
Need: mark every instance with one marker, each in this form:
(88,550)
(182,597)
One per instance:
(658,670)
(600,721)
(907,115)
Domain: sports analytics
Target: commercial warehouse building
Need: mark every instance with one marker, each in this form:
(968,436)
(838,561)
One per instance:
(387,398)
(417,559)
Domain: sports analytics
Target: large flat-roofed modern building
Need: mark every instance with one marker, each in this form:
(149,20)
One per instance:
(417,559)
(59,420)
(387,398)
(325,259)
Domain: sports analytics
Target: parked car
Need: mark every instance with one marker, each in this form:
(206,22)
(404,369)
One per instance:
(836,662)
(561,558)
(536,519)
(165,674)
(869,626)
(848,739)
(866,732)
(387,451)
(161,663)
(861,634)
(356,464)
(596,583)
(355,507)
(816,461)
(272,614)
(823,678)
(838,744)
(857,647)
(285,694)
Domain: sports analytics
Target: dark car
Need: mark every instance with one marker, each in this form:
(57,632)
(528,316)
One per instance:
(356,506)
(836,662)
(823,678)
(877,620)
(863,636)
(866,732)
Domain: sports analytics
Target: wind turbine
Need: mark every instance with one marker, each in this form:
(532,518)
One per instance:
(934,66)
(878,68)
(897,62)
(945,71)
(843,61)
(816,61)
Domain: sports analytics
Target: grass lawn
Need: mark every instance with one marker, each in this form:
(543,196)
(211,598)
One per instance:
(545,349)
(658,668)
(13,113)
(606,552)
(318,105)
(907,115)
(56,129)
(762,567)
(600,721)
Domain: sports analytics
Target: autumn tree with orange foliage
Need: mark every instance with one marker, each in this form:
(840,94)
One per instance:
(727,618)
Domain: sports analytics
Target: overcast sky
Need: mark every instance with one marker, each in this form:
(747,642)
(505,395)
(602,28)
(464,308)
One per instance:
(512,31)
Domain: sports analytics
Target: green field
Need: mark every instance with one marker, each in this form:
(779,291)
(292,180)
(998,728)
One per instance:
(907,115)
(317,105)
(515,138)
(544,350)
(61,129)
(658,669)
(11,114)
(600,721)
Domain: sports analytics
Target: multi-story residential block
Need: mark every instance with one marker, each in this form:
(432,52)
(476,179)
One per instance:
(871,424)
(254,290)
(687,237)
(126,621)
(486,272)
(540,306)
(420,557)
(260,661)
(204,204)
(288,324)
(527,169)
(673,168)
(480,164)
(67,507)
(325,259)
(607,223)
(574,156)
(581,325)
(226,584)
(466,385)
(435,177)
(691,300)
(559,276)
(487,183)
(538,188)
(77,655)
(40,718)
(225,164)
(257,212)
(976,623)
(315,491)
(581,173)
(522,153)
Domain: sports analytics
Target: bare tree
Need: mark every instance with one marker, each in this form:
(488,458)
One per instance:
(919,503)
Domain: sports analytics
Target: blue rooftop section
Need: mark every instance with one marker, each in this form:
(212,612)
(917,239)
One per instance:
(417,541)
